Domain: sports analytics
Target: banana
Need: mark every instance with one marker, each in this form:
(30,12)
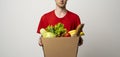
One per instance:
(73,32)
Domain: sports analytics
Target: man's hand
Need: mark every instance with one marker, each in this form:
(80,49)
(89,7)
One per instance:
(40,42)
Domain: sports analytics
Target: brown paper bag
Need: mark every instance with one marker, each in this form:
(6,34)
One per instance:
(60,46)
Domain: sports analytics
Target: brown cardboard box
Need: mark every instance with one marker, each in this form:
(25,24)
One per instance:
(60,46)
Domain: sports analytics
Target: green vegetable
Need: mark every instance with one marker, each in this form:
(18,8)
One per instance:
(50,28)
(49,35)
(42,31)
(58,29)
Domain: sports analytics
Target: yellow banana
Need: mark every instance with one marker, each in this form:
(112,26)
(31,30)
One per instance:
(73,32)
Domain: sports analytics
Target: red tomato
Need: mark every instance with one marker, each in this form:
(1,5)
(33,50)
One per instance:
(67,35)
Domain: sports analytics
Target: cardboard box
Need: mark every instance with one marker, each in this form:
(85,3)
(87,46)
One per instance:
(60,46)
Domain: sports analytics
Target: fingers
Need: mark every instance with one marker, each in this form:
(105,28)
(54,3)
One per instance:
(40,42)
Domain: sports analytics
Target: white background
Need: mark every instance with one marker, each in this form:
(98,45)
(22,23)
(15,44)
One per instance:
(19,20)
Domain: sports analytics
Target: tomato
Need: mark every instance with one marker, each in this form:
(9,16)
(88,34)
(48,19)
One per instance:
(67,35)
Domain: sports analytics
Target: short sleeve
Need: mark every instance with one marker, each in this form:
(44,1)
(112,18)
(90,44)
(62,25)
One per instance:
(77,21)
(42,24)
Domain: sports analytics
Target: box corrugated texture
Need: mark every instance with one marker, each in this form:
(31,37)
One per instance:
(60,46)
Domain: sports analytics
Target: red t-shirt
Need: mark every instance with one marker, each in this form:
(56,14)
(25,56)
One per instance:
(70,20)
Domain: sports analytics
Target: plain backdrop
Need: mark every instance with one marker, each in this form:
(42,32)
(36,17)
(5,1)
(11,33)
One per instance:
(19,21)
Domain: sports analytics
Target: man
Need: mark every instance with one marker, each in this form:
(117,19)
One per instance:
(60,14)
